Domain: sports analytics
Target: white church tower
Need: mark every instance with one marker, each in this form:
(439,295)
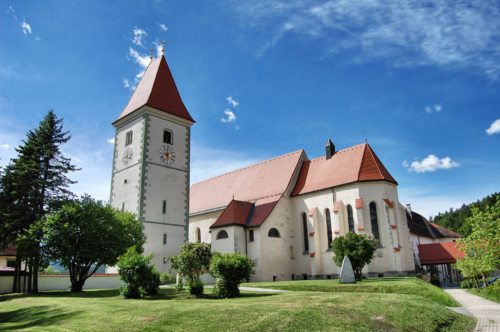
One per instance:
(151,162)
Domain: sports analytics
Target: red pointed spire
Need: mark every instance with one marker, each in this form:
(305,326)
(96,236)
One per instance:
(157,89)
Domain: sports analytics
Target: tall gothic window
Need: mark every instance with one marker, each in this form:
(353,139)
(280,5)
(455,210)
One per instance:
(329,235)
(374,220)
(168,136)
(350,218)
(198,235)
(304,231)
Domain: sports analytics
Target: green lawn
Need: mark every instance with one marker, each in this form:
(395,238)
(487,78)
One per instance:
(491,293)
(104,310)
(377,285)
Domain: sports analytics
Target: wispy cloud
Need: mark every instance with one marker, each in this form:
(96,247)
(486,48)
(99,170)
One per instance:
(207,162)
(163,27)
(446,33)
(25,26)
(494,127)
(232,102)
(142,60)
(110,141)
(139,34)
(5,146)
(430,163)
(126,83)
(230,116)
(433,109)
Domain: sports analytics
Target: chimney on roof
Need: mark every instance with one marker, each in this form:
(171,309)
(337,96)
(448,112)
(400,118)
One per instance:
(329,149)
(408,208)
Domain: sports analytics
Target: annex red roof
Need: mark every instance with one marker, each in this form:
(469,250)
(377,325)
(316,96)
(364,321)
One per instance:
(439,253)
(261,183)
(245,213)
(157,89)
(357,163)
(445,232)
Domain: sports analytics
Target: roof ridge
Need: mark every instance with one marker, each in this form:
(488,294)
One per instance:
(349,148)
(247,167)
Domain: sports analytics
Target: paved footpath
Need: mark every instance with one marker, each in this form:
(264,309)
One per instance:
(485,311)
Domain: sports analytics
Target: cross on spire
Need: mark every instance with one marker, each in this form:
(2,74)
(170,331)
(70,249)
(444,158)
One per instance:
(162,47)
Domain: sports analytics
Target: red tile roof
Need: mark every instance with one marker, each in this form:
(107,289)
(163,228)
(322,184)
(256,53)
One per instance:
(439,253)
(235,213)
(261,183)
(244,214)
(357,163)
(157,89)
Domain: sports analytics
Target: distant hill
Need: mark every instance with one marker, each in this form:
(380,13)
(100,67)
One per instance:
(455,220)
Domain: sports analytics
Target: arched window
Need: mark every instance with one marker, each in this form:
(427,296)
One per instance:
(128,137)
(374,220)
(350,218)
(329,235)
(222,235)
(198,235)
(304,231)
(273,232)
(168,137)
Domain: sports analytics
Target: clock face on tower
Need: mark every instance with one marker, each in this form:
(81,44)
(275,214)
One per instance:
(167,154)
(127,156)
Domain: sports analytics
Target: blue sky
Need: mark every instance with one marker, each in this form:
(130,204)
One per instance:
(420,82)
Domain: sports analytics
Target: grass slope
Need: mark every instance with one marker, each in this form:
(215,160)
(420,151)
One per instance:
(491,293)
(378,285)
(104,310)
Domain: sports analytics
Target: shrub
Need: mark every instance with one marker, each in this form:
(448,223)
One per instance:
(359,249)
(139,275)
(192,260)
(229,270)
(468,283)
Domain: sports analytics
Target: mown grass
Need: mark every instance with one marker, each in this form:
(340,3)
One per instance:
(376,285)
(491,293)
(105,310)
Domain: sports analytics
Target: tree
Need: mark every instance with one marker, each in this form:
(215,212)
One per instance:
(482,246)
(229,270)
(85,234)
(192,260)
(32,184)
(139,275)
(359,249)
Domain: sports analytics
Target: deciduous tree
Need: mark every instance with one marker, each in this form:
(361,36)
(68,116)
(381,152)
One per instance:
(359,249)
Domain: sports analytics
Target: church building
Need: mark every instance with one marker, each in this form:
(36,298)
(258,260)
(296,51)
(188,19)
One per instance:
(283,212)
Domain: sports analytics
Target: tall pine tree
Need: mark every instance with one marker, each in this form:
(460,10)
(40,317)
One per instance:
(32,185)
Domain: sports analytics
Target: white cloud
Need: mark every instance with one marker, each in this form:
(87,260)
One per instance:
(126,83)
(230,116)
(110,141)
(494,127)
(403,32)
(163,27)
(231,101)
(433,109)
(5,146)
(139,34)
(142,60)
(430,164)
(26,27)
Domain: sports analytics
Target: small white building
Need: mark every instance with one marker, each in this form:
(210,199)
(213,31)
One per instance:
(284,213)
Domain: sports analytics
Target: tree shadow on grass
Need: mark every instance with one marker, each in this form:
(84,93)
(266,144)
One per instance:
(67,294)
(24,318)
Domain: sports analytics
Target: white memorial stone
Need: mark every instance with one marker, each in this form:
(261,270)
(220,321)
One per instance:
(346,272)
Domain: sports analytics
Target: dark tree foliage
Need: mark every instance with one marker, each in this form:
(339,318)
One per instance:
(229,270)
(85,234)
(457,220)
(138,274)
(34,183)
